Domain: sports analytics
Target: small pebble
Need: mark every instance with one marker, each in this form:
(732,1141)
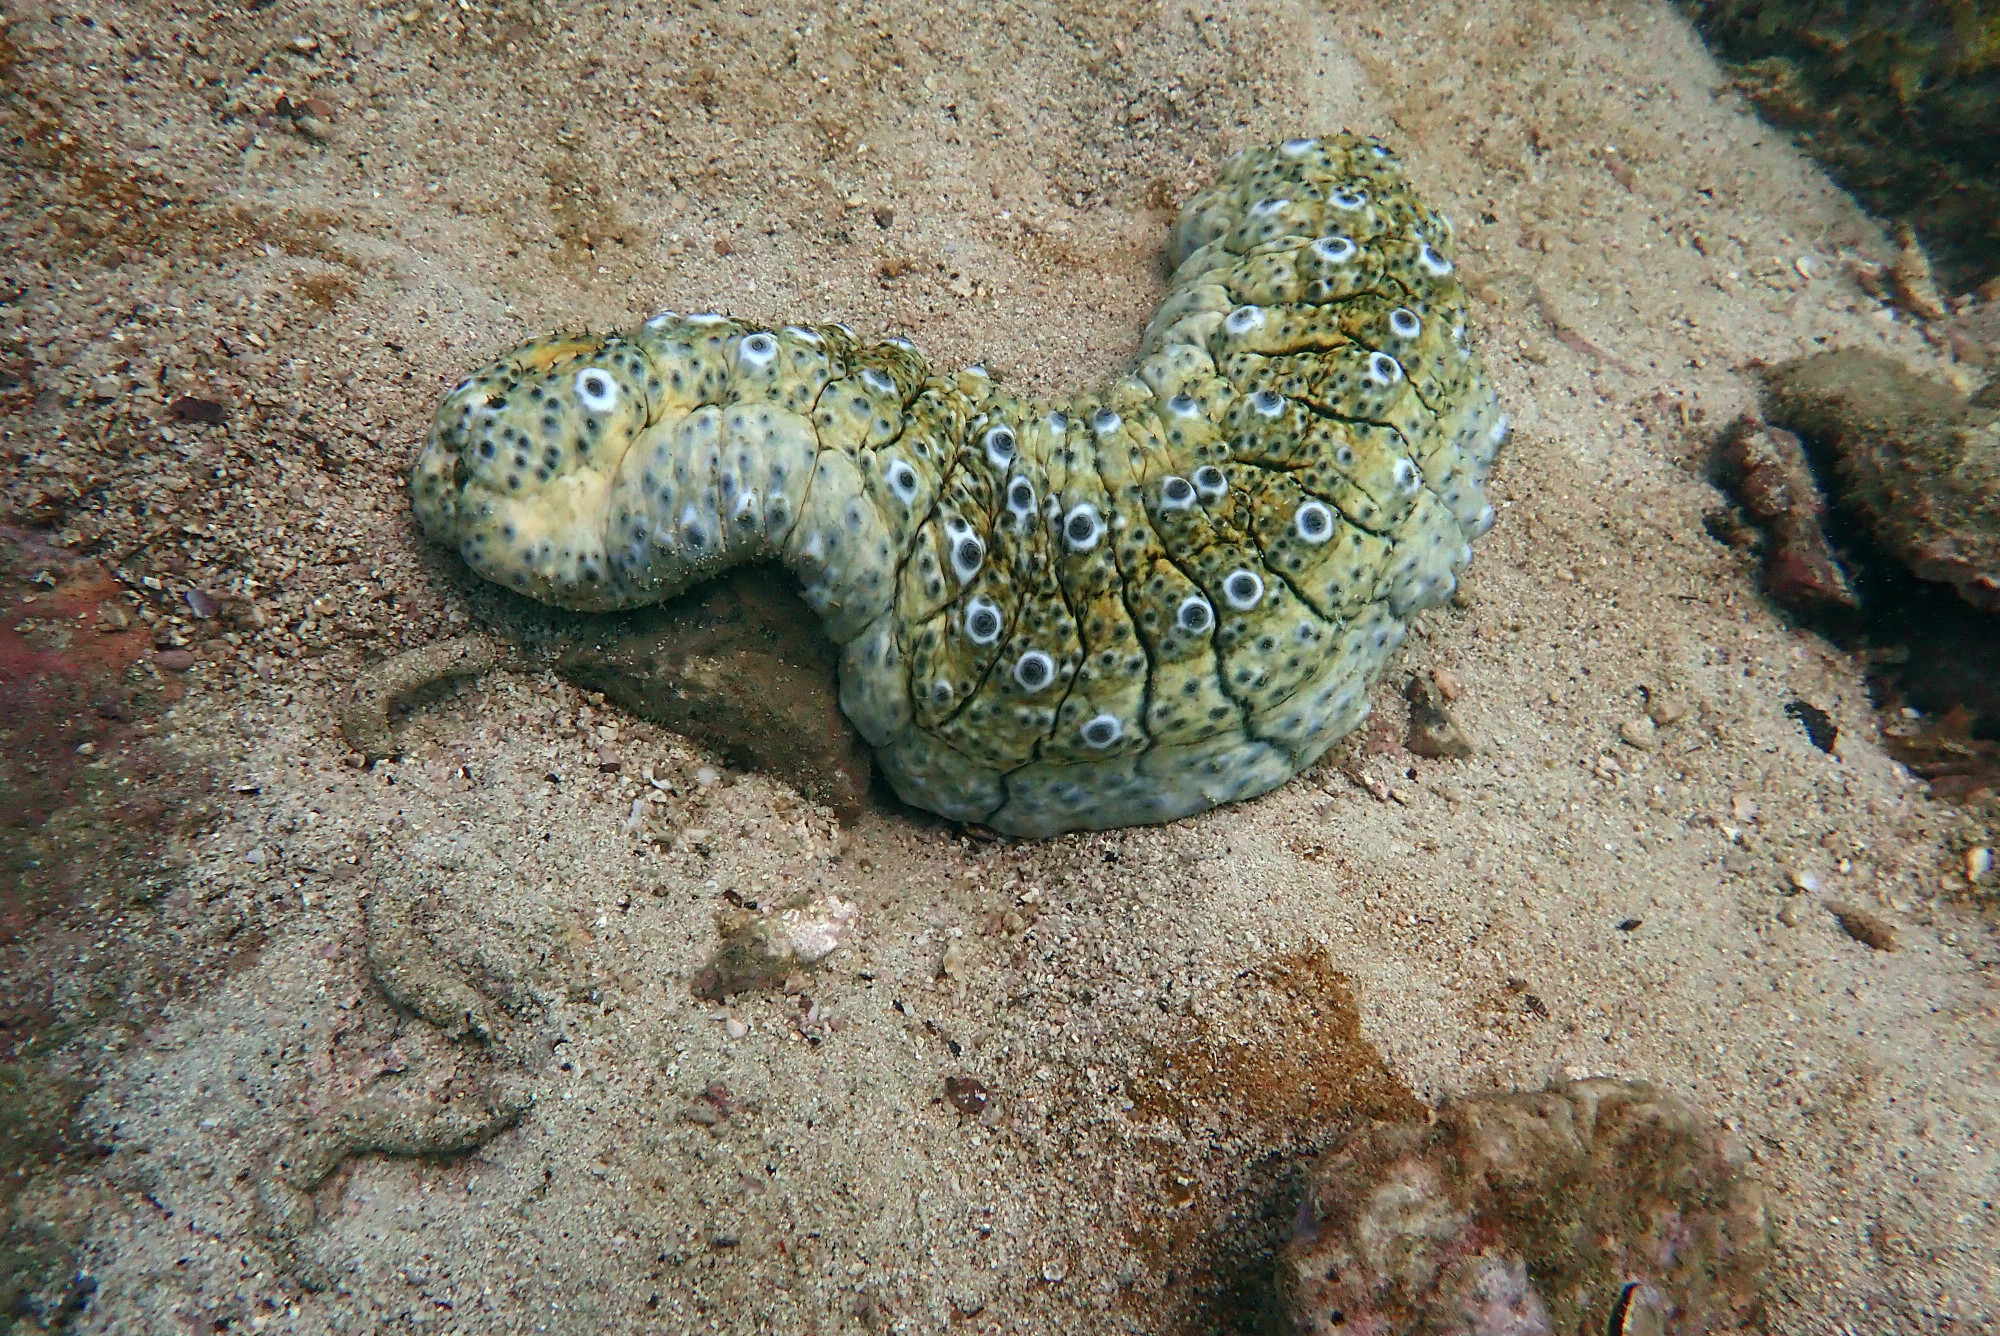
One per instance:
(1640,733)
(1864,927)
(966,1095)
(201,603)
(193,408)
(175,660)
(1978,863)
(735,1028)
(1666,711)
(707,777)
(1447,683)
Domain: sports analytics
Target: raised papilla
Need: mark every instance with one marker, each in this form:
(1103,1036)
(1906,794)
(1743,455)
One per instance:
(1123,607)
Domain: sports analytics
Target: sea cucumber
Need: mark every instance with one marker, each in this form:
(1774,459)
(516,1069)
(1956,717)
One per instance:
(1127,606)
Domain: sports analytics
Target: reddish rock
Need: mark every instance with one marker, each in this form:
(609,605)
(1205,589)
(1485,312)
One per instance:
(1764,468)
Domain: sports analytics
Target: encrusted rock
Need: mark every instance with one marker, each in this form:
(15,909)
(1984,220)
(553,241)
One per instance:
(759,950)
(1593,1206)
(1899,102)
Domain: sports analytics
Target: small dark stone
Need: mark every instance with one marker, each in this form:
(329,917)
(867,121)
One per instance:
(1864,927)
(191,408)
(966,1095)
(1821,731)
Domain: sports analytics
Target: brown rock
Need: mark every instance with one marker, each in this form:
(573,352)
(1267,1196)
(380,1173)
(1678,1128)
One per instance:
(966,1094)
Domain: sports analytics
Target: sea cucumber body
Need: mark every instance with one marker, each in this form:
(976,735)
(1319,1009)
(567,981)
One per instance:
(1124,607)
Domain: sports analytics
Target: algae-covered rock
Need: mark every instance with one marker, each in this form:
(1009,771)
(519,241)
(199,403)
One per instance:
(1917,461)
(1592,1206)
(760,950)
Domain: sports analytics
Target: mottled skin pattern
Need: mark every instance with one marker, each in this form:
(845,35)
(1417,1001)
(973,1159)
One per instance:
(1124,607)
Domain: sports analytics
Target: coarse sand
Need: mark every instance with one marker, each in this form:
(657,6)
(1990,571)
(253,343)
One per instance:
(318,214)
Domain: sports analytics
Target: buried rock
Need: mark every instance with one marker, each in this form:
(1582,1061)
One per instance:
(1593,1206)
(738,664)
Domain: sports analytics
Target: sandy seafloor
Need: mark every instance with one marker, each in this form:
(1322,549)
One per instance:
(1175,1018)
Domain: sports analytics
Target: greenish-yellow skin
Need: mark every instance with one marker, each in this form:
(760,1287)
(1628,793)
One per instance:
(1124,607)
